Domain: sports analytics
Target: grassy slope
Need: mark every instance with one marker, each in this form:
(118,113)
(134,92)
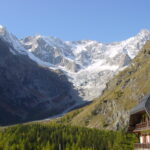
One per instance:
(123,92)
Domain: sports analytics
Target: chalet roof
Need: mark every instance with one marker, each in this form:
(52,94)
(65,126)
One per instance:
(144,105)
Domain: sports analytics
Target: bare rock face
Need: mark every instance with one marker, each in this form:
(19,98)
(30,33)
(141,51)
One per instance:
(52,51)
(29,91)
(117,119)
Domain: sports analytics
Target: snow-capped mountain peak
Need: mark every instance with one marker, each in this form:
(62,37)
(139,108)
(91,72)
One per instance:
(144,32)
(12,40)
(88,64)
(2,29)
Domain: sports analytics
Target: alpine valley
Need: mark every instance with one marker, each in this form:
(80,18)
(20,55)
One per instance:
(42,77)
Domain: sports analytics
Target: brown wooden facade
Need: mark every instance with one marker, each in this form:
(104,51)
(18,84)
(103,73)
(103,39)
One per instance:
(139,124)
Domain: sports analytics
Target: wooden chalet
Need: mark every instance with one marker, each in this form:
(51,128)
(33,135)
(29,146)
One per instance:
(139,123)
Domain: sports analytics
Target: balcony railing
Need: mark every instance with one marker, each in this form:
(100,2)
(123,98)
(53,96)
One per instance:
(143,145)
(142,125)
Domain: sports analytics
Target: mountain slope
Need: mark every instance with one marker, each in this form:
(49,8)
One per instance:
(29,91)
(88,64)
(123,92)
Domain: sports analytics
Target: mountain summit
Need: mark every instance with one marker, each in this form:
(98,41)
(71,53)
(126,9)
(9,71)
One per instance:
(88,64)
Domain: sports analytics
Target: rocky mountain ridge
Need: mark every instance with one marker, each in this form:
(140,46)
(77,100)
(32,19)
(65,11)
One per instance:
(88,64)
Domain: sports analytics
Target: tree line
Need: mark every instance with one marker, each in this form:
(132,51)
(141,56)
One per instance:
(63,137)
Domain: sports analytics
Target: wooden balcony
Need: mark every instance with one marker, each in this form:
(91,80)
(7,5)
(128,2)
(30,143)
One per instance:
(143,145)
(142,126)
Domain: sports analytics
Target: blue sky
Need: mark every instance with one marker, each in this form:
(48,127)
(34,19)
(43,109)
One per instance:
(101,20)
